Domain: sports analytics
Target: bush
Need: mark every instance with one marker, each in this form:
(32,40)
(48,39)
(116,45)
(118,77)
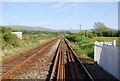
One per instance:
(11,39)
(90,52)
(4,30)
(90,35)
(78,39)
(85,46)
(71,38)
(7,29)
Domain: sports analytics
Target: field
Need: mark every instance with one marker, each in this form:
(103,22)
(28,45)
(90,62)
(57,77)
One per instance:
(28,41)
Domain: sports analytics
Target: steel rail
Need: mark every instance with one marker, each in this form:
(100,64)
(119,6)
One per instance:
(74,54)
(60,72)
(55,64)
(74,69)
(63,66)
(71,67)
(59,66)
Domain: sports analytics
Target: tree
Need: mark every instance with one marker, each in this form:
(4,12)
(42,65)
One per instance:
(99,28)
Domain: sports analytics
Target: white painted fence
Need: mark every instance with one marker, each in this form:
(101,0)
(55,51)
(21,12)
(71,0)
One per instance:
(107,56)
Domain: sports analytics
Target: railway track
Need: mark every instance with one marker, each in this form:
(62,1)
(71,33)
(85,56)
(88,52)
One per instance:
(67,66)
(12,64)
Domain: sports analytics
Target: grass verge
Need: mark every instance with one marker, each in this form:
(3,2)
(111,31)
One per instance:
(28,41)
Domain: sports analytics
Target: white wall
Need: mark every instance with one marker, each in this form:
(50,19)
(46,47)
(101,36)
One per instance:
(108,57)
(19,34)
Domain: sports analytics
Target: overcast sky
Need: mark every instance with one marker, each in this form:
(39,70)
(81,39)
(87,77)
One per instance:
(59,15)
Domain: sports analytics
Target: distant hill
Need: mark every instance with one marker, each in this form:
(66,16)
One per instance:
(74,31)
(31,28)
(115,29)
(39,28)
(44,29)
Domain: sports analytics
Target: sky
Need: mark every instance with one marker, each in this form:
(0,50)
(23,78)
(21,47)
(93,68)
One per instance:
(59,15)
(59,0)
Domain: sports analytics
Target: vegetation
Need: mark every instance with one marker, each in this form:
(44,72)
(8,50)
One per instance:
(82,44)
(101,30)
(11,44)
(84,40)
(7,37)
(33,32)
(11,39)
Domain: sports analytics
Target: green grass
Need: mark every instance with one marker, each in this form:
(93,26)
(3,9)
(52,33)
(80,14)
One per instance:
(28,41)
(87,51)
(78,50)
(106,39)
(85,45)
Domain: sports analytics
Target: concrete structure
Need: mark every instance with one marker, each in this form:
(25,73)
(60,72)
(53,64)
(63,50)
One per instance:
(107,56)
(19,34)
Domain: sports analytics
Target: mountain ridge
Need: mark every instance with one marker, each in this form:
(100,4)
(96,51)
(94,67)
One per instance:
(38,28)
(31,28)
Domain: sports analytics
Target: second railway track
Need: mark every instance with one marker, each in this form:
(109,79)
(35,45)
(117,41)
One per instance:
(12,64)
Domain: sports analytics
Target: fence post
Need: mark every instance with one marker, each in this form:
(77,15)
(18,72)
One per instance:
(114,43)
(95,56)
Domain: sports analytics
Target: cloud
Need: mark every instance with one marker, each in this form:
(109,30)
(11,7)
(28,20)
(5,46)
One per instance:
(62,9)
(67,7)
(38,5)
(58,5)
(70,20)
